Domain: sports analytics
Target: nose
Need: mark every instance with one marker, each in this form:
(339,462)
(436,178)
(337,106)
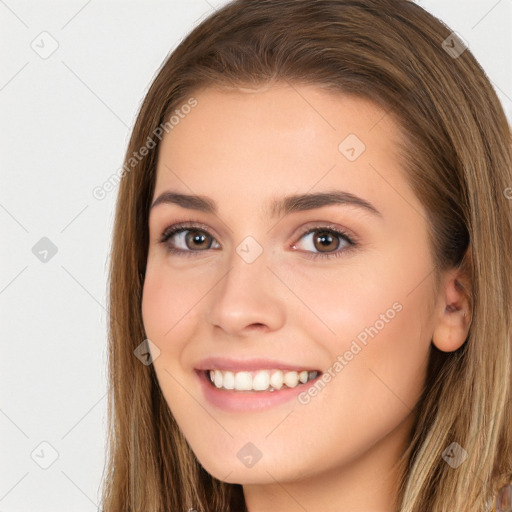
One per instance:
(248,297)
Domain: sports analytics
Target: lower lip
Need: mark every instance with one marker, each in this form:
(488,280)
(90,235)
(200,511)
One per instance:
(243,401)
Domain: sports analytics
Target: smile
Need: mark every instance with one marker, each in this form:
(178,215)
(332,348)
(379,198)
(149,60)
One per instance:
(259,380)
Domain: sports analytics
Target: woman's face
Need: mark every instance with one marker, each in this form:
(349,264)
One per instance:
(249,287)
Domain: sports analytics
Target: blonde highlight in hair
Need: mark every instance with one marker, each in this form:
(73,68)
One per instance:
(457,157)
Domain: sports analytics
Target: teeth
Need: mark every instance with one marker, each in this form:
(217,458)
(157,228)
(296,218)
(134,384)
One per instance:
(243,381)
(229,380)
(276,380)
(291,379)
(260,380)
(217,378)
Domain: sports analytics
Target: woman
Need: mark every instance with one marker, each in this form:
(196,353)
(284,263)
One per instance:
(310,282)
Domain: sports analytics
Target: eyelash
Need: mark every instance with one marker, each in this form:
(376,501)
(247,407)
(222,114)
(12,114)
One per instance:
(186,226)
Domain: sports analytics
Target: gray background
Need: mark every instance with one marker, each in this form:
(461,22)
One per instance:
(65,124)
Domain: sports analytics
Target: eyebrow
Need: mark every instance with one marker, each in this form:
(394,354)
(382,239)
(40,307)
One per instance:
(277,207)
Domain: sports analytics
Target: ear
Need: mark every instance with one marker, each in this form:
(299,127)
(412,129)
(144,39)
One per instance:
(453,310)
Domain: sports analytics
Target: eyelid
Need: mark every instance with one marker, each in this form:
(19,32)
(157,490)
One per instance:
(186,224)
(341,232)
(327,226)
(298,233)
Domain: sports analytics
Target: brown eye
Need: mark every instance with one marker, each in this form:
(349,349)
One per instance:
(186,240)
(326,242)
(189,240)
(196,239)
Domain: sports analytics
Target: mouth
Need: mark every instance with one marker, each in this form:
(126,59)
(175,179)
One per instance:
(264,380)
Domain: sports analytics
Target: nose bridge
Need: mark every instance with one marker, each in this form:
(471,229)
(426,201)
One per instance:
(246,294)
(248,277)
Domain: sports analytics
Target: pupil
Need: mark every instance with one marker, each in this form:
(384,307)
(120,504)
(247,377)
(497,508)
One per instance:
(324,237)
(198,237)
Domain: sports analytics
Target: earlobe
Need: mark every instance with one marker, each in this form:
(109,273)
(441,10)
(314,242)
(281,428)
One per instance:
(453,315)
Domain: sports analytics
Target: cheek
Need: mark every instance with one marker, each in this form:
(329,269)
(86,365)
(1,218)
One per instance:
(377,374)
(377,315)
(344,301)
(167,299)
(157,314)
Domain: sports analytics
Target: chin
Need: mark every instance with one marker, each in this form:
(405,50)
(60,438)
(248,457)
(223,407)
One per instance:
(263,472)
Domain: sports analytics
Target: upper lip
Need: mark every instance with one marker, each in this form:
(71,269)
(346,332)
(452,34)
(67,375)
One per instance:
(255,363)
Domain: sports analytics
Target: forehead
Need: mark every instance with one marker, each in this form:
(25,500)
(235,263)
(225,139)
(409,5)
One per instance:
(259,142)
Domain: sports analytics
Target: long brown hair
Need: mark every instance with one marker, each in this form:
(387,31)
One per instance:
(458,161)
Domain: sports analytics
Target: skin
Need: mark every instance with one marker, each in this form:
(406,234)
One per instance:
(242,148)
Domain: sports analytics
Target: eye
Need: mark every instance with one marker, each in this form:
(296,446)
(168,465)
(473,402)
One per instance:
(189,238)
(327,239)
(186,238)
